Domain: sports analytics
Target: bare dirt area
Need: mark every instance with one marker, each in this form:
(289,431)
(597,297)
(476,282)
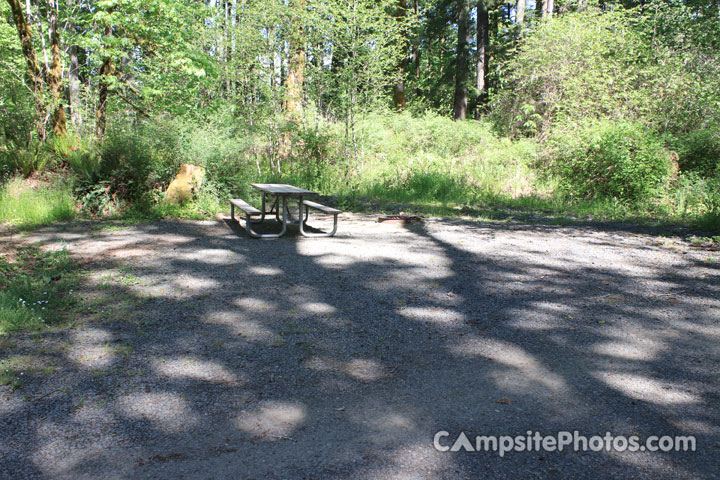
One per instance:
(202,353)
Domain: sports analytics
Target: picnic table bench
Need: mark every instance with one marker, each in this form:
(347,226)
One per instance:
(279,195)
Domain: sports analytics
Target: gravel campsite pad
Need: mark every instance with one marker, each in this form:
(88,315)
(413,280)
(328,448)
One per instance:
(202,353)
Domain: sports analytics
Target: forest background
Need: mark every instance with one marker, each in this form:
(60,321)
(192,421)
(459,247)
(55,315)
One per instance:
(568,110)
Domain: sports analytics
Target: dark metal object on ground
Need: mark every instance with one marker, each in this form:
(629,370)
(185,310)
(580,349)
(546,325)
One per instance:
(399,219)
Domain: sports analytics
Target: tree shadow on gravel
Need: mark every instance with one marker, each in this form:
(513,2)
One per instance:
(212,355)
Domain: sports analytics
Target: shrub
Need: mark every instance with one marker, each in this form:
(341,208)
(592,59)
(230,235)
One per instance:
(117,171)
(699,152)
(24,159)
(615,64)
(711,200)
(125,165)
(622,160)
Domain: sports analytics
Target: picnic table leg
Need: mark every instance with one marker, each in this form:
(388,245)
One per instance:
(250,221)
(253,234)
(308,234)
(285,214)
(262,216)
(277,209)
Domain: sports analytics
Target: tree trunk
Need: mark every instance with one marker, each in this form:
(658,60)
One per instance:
(483,46)
(107,69)
(33,67)
(74,86)
(294,81)
(548,6)
(416,46)
(520,11)
(461,61)
(399,87)
(296,63)
(55,74)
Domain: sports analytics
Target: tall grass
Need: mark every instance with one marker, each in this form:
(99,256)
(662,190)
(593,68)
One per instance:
(24,206)
(427,160)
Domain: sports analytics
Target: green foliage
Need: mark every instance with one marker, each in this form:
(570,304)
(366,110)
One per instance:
(631,64)
(699,151)
(16,107)
(118,172)
(435,160)
(125,165)
(35,288)
(24,159)
(25,206)
(623,160)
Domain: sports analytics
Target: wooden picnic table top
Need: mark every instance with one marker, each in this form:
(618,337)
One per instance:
(282,189)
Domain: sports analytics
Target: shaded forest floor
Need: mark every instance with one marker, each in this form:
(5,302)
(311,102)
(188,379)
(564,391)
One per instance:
(196,351)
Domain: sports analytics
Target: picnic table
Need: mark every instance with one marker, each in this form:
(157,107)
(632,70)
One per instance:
(277,196)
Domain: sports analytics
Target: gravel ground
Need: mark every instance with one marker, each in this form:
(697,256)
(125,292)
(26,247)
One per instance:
(206,354)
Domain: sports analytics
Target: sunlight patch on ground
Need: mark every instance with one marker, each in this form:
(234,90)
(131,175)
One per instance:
(214,256)
(660,465)
(417,461)
(90,348)
(168,411)
(318,307)
(646,350)
(365,369)
(260,270)
(511,356)
(695,427)
(275,420)
(248,329)
(436,315)
(392,421)
(253,304)
(648,390)
(58,451)
(360,368)
(197,285)
(538,322)
(336,261)
(195,369)
(698,328)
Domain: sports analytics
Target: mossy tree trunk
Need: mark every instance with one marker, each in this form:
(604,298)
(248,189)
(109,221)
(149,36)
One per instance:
(107,69)
(296,62)
(34,72)
(55,72)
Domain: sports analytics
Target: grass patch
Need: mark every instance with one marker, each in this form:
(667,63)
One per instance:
(15,369)
(25,206)
(36,288)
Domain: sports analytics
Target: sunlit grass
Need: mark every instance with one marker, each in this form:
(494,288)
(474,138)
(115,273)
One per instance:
(35,288)
(24,206)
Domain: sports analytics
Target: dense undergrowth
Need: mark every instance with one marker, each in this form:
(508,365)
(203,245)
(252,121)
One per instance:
(579,125)
(426,164)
